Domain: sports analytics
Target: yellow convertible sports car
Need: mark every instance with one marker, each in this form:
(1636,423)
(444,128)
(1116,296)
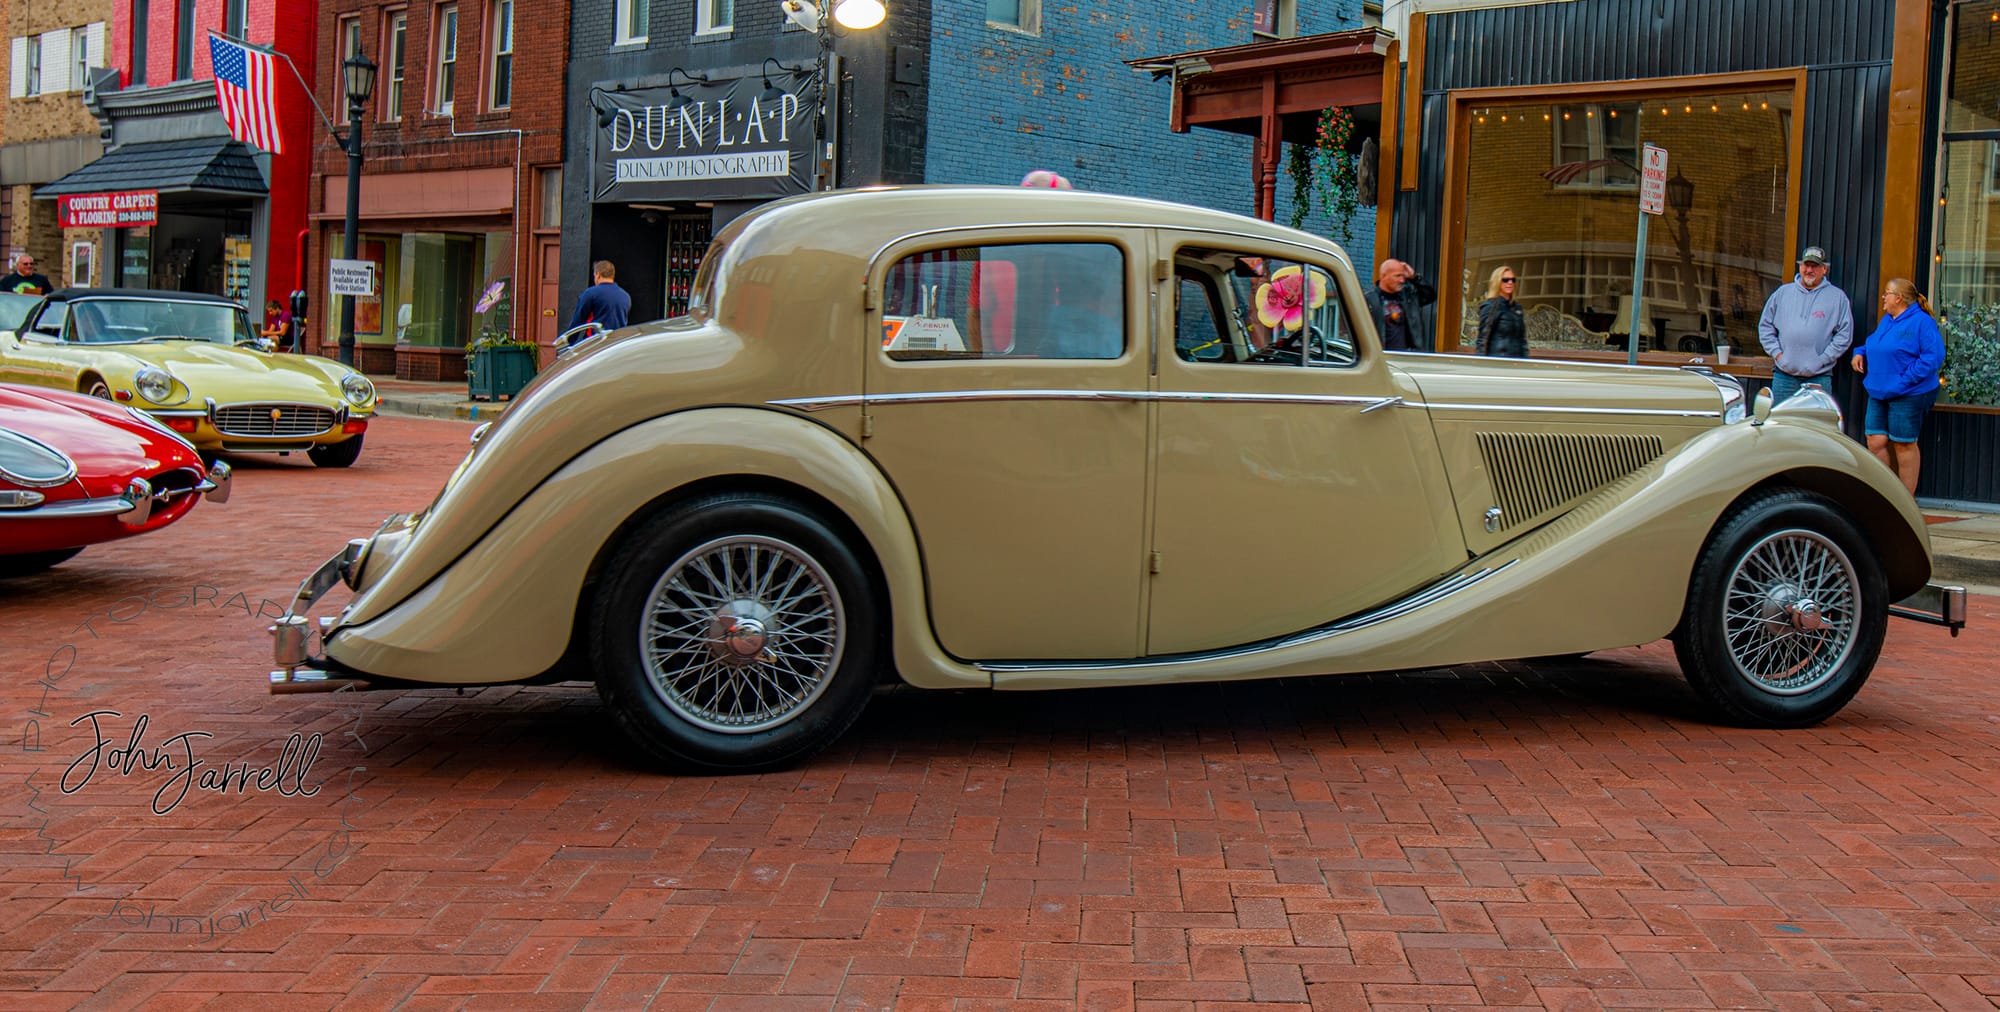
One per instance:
(193,362)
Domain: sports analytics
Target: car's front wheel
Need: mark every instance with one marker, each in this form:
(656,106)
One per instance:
(1785,613)
(734,634)
(341,454)
(30,563)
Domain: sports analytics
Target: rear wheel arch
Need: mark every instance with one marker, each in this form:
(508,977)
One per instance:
(89,382)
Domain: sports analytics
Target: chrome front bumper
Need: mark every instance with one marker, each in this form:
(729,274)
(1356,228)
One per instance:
(133,507)
(291,635)
(1936,604)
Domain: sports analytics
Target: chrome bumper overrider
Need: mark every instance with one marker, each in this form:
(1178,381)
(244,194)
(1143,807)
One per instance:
(291,647)
(1936,604)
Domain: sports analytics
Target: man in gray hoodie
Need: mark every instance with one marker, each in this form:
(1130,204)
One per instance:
(1807,325)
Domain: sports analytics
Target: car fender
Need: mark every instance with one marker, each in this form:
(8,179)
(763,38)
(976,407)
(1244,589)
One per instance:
(504,609)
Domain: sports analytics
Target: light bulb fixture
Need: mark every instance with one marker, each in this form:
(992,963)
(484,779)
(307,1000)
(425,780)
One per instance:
(859,15)
(772,93)
(676,100)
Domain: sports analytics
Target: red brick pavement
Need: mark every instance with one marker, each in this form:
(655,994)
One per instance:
(1506,834)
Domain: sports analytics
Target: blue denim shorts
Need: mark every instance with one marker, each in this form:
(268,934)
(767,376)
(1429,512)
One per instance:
(1899,418)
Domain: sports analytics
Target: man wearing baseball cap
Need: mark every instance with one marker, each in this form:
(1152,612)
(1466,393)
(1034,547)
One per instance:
(1807,325)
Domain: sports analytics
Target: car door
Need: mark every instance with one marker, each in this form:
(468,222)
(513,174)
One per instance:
(1005,401)
(1296,480)
(36,354)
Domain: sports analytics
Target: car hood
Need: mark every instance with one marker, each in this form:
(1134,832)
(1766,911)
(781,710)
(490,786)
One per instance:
(230,374)
(1452,381)
(107,445)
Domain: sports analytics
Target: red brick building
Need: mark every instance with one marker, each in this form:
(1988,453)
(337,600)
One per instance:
(461,194)
(230,218)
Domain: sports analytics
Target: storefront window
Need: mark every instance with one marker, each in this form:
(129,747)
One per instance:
(1552,193)
(438,289)
(1966,282)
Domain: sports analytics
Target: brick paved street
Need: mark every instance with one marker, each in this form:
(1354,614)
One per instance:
(1564,835)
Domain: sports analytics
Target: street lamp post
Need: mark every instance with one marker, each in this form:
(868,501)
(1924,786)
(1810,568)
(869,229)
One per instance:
(853,15)
(358,74)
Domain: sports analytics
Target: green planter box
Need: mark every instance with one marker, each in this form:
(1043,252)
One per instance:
(495,373)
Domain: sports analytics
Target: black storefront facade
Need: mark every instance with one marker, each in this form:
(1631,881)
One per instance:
(672,137)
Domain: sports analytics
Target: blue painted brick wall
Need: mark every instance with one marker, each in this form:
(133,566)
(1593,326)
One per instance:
(1003,103)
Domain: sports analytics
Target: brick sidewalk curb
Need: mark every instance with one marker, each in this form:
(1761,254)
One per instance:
(420,407)
(1961,569)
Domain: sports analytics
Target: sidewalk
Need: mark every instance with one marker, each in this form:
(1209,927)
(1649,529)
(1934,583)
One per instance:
(433,400)
(1964,542)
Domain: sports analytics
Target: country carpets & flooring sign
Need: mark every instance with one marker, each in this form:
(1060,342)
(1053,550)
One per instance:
(731,139)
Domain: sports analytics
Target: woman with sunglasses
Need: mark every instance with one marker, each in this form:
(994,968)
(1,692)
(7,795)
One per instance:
(1502,329)
(1899,368)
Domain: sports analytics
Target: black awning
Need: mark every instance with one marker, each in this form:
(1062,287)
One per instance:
(204,164)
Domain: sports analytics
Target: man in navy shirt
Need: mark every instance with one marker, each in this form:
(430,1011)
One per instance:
(603,302)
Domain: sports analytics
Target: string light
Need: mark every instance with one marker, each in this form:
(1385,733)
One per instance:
(1746,106)
(1687,108)
(1545,117)
(1712,107)
(1614,114)
(1764,105)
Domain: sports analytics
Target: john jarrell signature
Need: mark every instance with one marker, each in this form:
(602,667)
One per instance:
(177,756)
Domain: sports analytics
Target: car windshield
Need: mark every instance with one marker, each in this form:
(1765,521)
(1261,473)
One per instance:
(105,321)
(14,309)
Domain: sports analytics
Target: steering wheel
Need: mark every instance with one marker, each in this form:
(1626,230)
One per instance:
(1286,350)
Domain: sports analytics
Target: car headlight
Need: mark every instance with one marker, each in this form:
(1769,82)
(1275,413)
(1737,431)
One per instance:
(358,391)
(156,385)
(25,460)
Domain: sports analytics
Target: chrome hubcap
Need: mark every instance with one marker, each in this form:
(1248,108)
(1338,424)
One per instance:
(742,634)
(1791,612)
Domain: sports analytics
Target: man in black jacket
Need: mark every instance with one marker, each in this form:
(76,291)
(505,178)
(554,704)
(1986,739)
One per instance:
(1393,303)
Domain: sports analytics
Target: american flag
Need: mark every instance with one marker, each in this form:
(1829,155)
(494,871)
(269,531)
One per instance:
(246,88)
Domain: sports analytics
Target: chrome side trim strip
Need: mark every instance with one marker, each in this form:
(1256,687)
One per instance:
(1421,599)
(1136,396)
(1198,397)
(1569,410)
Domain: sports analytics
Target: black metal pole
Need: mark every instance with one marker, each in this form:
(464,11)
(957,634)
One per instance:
(352,240)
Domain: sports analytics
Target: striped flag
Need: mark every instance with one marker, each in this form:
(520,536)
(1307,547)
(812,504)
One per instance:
(246,88)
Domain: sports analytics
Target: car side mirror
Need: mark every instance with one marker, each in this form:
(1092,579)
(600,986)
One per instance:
(1760,410)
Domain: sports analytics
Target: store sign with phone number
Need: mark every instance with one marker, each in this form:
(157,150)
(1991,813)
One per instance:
(124,209)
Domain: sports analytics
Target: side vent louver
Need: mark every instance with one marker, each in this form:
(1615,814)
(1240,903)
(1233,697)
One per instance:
(1534,473)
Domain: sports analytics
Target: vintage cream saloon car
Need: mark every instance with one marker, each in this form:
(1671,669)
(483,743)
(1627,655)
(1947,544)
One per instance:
(1034,439)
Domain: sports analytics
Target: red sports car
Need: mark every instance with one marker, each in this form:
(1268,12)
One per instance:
(78,470)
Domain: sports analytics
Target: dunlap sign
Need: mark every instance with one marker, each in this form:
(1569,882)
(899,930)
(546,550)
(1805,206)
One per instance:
(728,143)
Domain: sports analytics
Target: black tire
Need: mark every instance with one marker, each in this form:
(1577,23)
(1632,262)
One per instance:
(97,388)
(341,454)
(680,696)
(1775,566)
(30,563)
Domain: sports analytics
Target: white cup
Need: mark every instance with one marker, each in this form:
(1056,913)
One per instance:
(1721,354)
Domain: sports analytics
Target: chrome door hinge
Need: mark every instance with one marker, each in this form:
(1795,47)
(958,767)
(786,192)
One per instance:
(1155,565)
(867,426)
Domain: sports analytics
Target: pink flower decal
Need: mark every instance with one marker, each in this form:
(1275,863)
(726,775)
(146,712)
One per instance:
(1292,292)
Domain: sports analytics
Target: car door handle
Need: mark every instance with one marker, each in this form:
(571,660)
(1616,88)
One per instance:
(1386,402)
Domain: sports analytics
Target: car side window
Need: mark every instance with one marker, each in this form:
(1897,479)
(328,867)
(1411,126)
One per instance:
(1015,301)
(50,323)
(1236,308)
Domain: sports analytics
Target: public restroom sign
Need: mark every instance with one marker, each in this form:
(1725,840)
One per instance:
(727,142)
(125,209)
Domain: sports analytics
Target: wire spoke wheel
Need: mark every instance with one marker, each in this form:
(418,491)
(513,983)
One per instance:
(742,634)
(1791,611)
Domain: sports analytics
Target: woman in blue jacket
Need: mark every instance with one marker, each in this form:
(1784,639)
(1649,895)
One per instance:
(1899,369)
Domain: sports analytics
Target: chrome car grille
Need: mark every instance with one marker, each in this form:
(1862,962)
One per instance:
(1535,472)
(273,419)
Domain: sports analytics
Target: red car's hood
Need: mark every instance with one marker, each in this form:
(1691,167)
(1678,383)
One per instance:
(109,446)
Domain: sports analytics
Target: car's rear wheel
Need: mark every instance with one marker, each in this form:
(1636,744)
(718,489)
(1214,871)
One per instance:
(30,563)
(1785,613)
(341,454)
(734,634)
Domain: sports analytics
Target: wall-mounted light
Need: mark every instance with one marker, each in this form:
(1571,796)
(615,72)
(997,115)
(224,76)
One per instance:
(859,15)
(772,93)
(676,100)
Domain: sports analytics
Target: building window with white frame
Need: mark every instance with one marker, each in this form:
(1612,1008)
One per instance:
(635,19)
(501,88)
(350,42)
(1018,15)
(714,17)
(34,50)
(395,48)
(79,59)
(446,71)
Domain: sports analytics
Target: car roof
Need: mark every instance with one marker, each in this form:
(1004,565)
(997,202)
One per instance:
(154,294)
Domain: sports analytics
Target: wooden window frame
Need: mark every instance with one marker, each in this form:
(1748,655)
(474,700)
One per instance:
(1459,107)
(442,43)
(494,54)
(395,64)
